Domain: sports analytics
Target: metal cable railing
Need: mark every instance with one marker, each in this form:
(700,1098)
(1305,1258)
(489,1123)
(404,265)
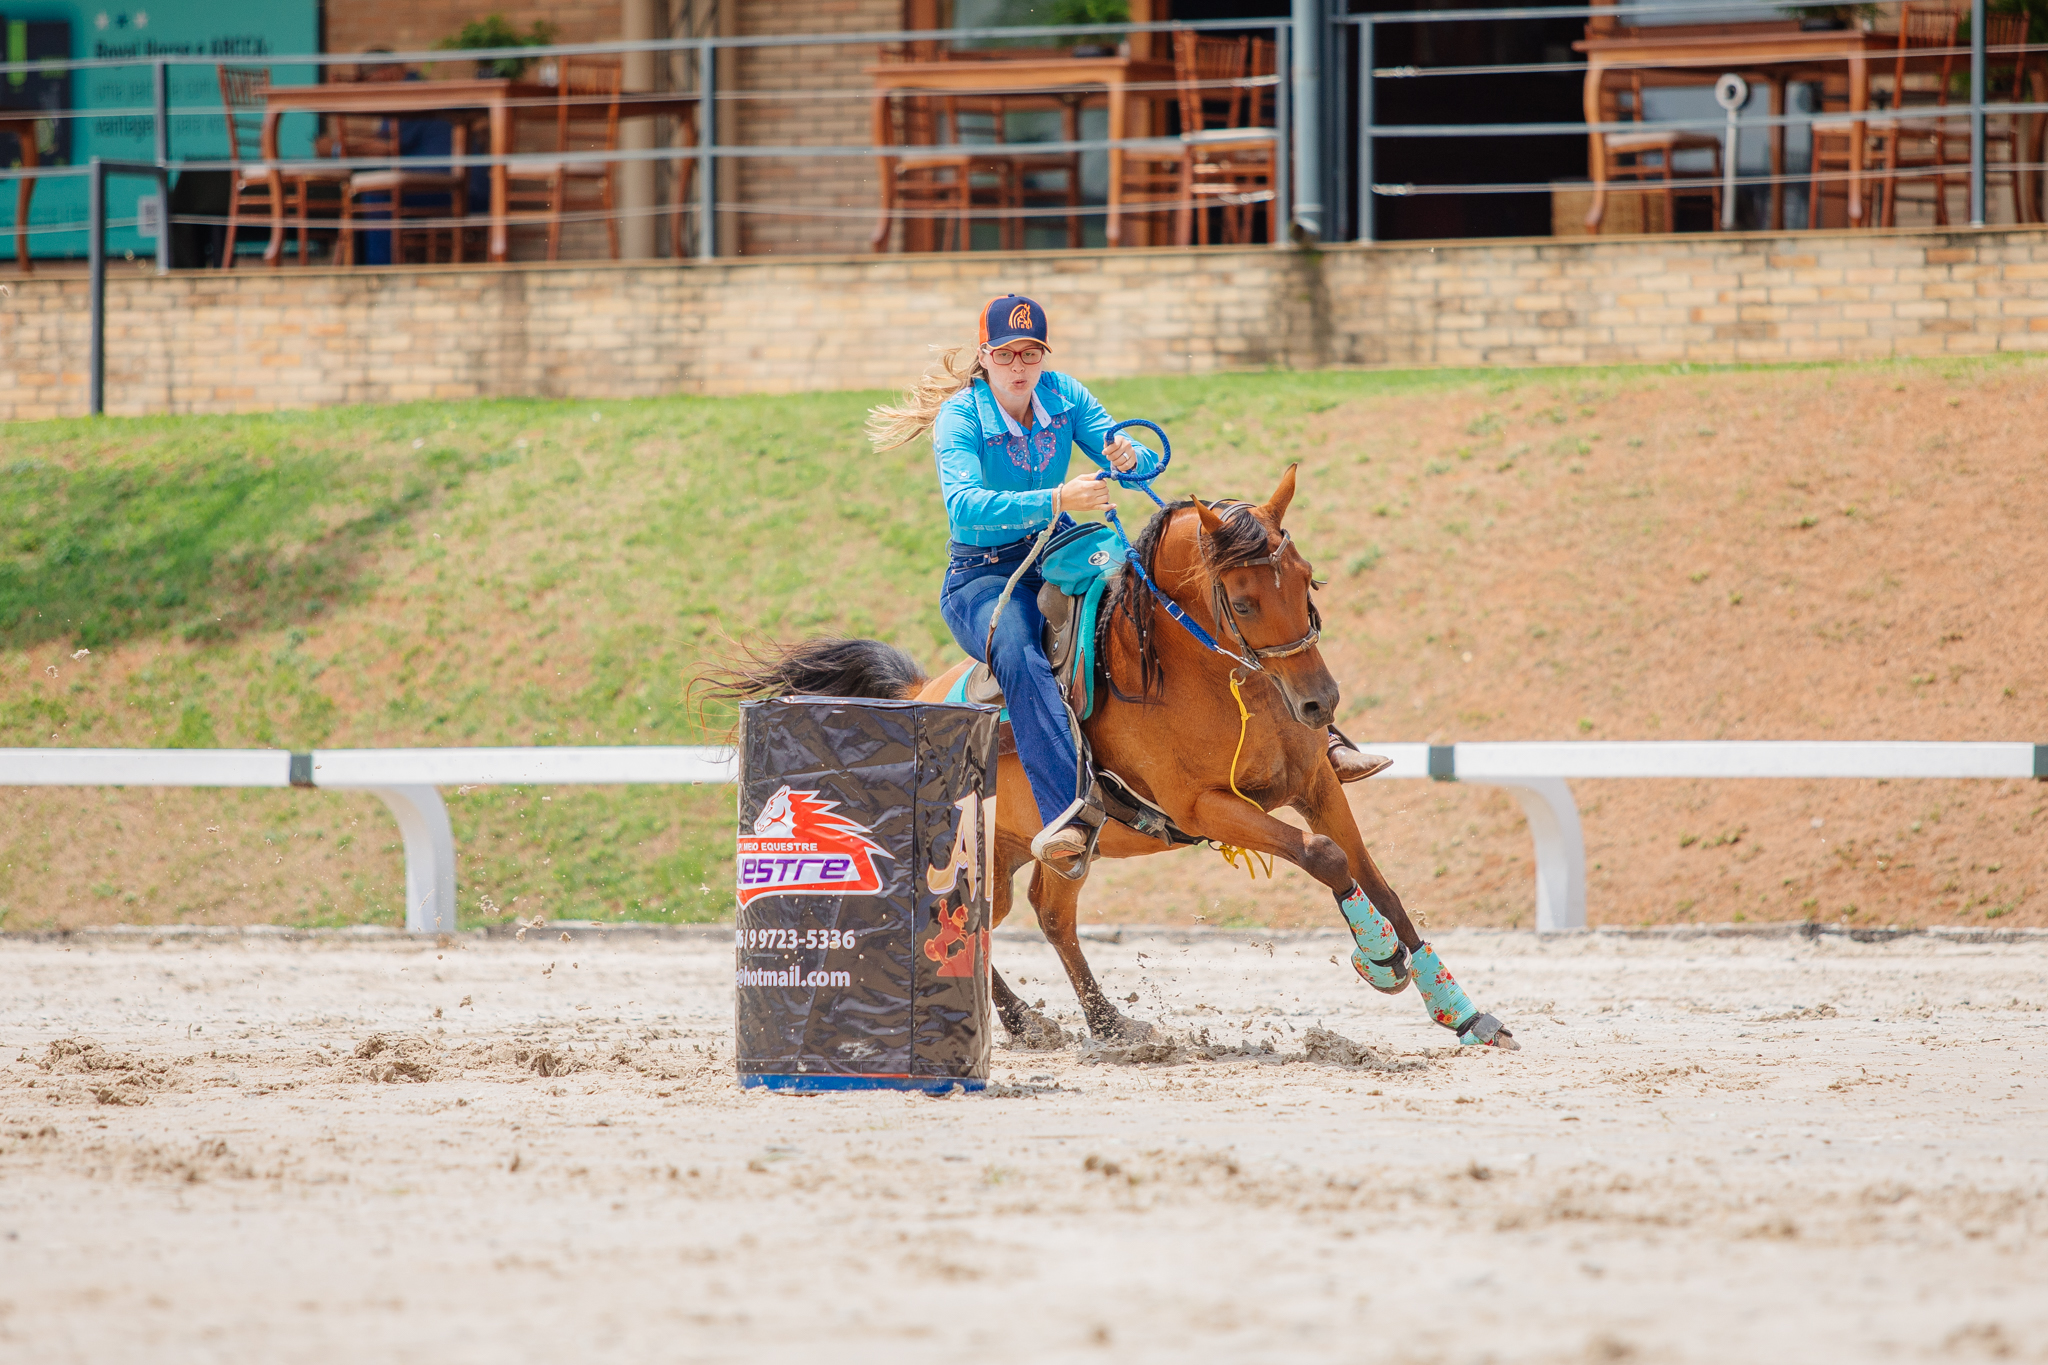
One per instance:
(1973,112)
(706,149)
(1325,89)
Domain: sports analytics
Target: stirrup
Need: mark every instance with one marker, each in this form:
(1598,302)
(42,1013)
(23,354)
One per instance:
(1086,823)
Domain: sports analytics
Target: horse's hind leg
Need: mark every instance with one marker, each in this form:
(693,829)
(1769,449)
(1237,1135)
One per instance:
(1057,902)
(1027,1028)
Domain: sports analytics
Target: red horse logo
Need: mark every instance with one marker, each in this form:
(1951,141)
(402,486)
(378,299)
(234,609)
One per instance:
(800,848)
(953,947)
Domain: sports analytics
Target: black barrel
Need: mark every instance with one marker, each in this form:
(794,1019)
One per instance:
(865,861)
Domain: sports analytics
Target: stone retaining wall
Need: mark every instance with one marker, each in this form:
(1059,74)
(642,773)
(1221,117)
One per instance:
(252,339)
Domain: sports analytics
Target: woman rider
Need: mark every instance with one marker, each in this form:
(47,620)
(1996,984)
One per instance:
(1003,430)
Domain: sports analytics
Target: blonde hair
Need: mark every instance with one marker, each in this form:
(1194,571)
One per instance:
(893,424)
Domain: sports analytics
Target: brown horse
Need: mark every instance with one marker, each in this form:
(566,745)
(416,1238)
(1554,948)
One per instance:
(1167,725)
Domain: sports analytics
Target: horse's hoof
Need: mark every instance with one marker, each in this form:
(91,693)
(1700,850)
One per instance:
(1483,1030)
(1390,976)
(1033,1032)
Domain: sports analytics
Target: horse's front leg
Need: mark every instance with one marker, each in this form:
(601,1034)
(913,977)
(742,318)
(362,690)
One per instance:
(1388,945)
(1058,902)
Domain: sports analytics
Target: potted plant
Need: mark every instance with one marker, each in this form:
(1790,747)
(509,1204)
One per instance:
(1089,12)
(495,30)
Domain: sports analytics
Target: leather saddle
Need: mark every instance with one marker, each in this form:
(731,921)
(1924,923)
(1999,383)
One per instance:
(1110,795)
(1061,642)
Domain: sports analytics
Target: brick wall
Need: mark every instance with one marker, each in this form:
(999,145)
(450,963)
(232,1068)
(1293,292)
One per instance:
(1792,296)
(206,342)
(826,103)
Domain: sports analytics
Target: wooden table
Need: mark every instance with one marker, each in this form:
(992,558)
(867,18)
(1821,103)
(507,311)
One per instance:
(23,126)
(1697,54)
(497,98)
(1047,75)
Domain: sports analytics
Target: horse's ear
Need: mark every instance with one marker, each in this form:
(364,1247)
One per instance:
(1275,510)
(1211,523)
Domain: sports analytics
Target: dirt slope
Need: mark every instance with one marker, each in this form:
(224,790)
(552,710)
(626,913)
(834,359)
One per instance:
(1807,554)
(1779,554)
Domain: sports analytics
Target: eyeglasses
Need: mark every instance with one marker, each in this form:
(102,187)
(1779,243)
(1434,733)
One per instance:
(1028,355)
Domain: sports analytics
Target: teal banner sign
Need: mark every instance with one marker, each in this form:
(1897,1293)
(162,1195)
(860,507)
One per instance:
(107,111)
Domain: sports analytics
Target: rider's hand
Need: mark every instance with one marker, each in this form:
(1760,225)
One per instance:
(1085,494)
(1121,454)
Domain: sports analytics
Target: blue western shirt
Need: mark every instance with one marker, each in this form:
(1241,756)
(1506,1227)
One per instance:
(997,478)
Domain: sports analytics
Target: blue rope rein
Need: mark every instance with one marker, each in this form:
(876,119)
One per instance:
(1143,482)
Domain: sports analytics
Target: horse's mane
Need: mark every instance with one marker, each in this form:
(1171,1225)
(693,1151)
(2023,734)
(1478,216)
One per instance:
(1241,537)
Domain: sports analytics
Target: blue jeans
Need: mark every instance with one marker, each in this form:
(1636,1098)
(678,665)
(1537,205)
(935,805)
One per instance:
(1038,718)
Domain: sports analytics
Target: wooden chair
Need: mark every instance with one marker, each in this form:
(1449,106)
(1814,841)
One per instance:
(1920,144)
(938,181)
(1224,168)
(1264,100)
(1649,157)
(1154,184)
(403,188)
(1892,143)
(2006,130)
(586,121)
(1019,174)
(253,188)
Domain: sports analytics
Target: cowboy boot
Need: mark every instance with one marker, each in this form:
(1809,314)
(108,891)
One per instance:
(1351,765)
(1063,851)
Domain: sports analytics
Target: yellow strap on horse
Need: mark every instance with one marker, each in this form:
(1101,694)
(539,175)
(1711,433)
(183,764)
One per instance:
(1231,852)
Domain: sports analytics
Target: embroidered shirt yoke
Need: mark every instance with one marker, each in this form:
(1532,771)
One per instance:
(997,478)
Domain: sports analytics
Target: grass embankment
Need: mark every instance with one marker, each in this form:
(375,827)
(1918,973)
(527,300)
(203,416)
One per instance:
(1643,553)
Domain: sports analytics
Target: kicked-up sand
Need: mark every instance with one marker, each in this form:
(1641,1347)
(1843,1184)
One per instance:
(355,1147)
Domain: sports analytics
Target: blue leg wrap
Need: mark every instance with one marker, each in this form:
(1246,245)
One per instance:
(1379,956)
(1447,1001)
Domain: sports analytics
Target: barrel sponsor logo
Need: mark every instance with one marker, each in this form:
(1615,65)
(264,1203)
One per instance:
(799,847)
(952,945)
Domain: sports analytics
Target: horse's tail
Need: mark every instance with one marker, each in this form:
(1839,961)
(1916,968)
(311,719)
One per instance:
(823,668)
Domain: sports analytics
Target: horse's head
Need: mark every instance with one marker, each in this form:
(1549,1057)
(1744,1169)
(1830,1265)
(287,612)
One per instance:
(1259,586)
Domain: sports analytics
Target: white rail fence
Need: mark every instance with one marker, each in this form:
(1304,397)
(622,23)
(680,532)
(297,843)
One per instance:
(1538,773)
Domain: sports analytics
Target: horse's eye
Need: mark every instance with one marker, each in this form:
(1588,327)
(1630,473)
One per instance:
(1319,583)
(1243,606)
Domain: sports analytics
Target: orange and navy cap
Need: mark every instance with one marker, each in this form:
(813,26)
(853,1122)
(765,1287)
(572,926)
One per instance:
(1013,318)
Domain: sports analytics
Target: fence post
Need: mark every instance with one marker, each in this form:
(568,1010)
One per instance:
(1307,104)
(96,257)
(1977,117)
(429,857)
(161,88)
(1283,139)
(1365,195)
(1553,818)
(1337,225)
(707,156)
